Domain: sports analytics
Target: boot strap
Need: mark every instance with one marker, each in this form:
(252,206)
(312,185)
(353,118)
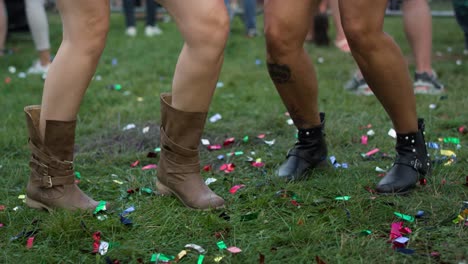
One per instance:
(175,152)
(303,155)
(175,167)
(49,171)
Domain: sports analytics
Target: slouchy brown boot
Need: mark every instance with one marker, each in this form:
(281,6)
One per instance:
(179,164)
(52,181)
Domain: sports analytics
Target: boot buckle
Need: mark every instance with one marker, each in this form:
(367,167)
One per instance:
(47,182)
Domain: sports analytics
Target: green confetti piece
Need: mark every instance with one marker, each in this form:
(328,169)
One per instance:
(238,153)
(343,198)
(452,140)
(366,232)
(154,257)
(200,259)
(296,198)
(165,258)
(77,175)
(408,218)
(100,207)
(157,150)
(147,190)
(221,245)
(117,87)
(246,139)
(296,135)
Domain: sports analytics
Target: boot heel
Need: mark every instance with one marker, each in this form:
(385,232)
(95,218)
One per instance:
(162,189)
(37,205)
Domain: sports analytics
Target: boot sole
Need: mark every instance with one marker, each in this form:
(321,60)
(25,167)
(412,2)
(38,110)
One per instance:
(164,190)
(37,205)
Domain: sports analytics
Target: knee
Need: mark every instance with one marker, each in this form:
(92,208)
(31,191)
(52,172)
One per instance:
(279,40)
(210,34)
(360,35)
(97,34)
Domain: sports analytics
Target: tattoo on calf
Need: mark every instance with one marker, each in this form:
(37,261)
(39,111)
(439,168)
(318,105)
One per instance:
(280,74)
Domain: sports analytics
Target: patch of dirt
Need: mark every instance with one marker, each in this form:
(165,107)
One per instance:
(119,141)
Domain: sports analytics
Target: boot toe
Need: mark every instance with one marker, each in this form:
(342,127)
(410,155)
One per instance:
(399,180)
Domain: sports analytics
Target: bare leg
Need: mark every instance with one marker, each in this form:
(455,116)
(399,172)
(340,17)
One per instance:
(289,65)
(85,25)
(380,60)
(418,28)
(37,20)
(340,38)
(200,60)
(3,26)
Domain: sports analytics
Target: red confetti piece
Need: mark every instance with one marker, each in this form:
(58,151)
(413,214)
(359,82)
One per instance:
(405,230)
(258,164)
(150,167)
(295,203)
(261,136)
(227,167)
(134,164)
(463,130)
(236,188)
(30,242)
(7,80)
(214,147)
(207,168)
(443,182)
(97,241)
(228,141)
(2,207)
(423,181)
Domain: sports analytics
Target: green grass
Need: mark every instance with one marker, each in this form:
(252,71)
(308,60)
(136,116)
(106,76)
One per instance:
(249,104)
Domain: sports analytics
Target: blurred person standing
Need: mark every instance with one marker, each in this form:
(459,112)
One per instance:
(39,26)
(3,27)
(151,28)
(249,17)
(461,13)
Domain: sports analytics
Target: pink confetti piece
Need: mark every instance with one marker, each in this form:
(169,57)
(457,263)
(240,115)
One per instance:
(149,167)
(364,139)
(30,242)
(234,250)
(261,136)
(214,147)
(229,141)
(227,167)
(395,230)
(372,152)
(258,164)
(236,188)
(2,207)
(135,163)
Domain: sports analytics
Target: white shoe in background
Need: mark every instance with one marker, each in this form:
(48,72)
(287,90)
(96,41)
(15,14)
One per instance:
(37,68)
(151,31)
(131,31)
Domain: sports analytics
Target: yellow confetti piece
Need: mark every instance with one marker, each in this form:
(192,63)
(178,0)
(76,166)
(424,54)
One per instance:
(258,160)
(21,196)
(448,153)
(118,182)
(181,254)
(218,259)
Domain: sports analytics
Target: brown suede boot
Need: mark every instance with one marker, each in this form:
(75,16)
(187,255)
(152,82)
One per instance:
(179,164)
(52,181)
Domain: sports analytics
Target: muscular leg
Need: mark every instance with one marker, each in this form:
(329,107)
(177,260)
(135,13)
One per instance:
(380,60)
(384,68)
(85,25)
(418,28)
(205,31)
(289,65)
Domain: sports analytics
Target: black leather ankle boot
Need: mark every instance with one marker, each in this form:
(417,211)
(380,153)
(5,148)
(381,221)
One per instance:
(309,152)
(412,163)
